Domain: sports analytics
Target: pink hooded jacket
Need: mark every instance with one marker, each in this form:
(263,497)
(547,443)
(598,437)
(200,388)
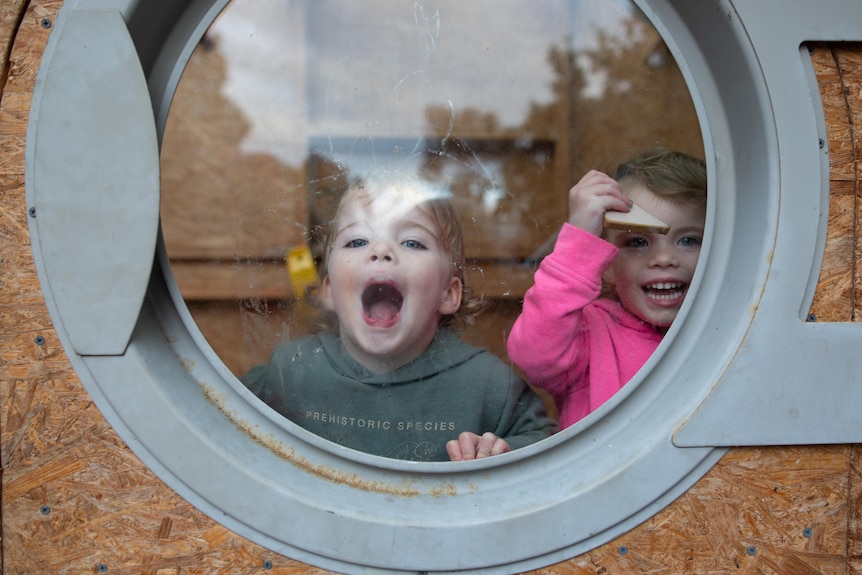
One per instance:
(579,348)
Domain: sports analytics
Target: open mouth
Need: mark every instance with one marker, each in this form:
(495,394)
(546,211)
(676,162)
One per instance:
(665,291)
(382,302)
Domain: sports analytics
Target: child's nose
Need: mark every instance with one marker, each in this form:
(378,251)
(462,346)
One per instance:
(381,250)
(665,256)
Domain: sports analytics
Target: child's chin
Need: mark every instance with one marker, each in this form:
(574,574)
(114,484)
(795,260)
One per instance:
(660,319)
(663,321)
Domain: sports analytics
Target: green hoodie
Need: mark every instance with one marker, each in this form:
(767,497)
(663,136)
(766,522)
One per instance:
(408,413)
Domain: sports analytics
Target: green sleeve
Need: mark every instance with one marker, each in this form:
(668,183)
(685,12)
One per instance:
(524,419)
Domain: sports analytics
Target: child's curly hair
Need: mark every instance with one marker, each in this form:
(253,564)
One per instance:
(436,203)
(669,174)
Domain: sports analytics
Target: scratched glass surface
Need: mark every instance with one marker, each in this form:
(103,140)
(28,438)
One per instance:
(506,104)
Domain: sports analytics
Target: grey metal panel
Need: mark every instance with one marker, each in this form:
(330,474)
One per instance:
(791,382)
(93,179)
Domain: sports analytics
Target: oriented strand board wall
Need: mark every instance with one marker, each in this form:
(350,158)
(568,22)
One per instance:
(76,500)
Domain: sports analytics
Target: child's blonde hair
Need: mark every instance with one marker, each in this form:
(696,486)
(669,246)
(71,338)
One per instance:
(672,175)
(436,203)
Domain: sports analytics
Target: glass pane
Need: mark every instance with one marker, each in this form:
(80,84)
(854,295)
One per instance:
(506,104)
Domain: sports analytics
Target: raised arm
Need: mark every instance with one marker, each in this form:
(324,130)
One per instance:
(547,340)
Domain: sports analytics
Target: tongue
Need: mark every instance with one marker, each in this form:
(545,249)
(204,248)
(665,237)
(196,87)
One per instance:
(383,310)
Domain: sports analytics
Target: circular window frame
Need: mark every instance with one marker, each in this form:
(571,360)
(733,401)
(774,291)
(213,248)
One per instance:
(187,417)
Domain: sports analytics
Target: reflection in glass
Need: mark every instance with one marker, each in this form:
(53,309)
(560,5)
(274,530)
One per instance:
(284,102)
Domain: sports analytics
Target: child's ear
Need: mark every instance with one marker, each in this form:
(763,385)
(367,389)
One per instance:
(451,298)
(326,295)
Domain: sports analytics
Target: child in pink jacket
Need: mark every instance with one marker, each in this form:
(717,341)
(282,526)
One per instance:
(570,340)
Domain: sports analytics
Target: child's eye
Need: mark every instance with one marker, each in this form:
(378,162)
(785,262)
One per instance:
(636,242)
(356,243)
(689,241)
(413,244)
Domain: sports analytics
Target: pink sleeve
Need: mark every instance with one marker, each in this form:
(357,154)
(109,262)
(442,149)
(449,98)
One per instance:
(547,341)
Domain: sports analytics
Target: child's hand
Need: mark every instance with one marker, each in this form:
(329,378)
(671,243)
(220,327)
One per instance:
(590,198)
(471,446)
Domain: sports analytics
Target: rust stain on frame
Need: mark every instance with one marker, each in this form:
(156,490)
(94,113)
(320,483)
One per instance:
(406,488)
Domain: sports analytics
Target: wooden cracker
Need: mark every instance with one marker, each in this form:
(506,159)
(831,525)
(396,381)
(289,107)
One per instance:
(635,220)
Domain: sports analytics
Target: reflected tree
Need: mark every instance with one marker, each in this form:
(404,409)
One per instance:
(622,95)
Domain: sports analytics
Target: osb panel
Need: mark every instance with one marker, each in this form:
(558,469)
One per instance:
(850,63)
(835,296)
(749,514)
(10,16)
(75,497)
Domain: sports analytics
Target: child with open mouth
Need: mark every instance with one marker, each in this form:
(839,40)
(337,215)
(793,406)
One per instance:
(582,347)
(394,378)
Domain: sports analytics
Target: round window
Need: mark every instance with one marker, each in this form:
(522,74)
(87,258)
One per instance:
(267,132)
